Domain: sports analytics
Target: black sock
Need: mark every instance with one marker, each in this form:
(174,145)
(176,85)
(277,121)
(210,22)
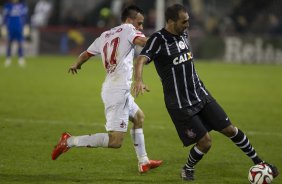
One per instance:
(194,157)
(242,141)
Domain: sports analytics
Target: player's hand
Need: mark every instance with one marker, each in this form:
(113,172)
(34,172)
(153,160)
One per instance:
(139,87)
(3,31)
(73,68)
(26,31)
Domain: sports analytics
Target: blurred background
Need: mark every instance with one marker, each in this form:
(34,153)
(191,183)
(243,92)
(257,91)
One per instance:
(40,101)
(242,31)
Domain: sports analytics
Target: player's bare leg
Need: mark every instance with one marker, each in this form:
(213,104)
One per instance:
(116,139)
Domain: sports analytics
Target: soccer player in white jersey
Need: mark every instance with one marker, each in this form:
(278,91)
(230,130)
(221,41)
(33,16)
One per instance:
(116,46)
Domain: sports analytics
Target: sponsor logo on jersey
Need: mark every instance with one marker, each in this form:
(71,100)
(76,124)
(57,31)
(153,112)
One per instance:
(182,58)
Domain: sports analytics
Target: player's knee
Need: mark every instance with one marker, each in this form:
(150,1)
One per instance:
(115,140)
(229,131)
(205,143)
(208,143)
(139,119)
(115,145)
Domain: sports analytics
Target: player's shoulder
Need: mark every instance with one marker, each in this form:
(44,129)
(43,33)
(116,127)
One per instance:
(127,26)
(157,35)
(112,31)
(130,28)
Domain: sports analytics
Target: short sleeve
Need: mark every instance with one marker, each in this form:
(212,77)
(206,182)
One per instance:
(152,47)
(132,33)
(94,48)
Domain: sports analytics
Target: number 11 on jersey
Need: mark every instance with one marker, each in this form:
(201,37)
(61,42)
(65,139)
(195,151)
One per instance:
(111,61)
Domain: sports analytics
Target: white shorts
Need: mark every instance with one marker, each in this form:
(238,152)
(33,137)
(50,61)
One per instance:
(119,106)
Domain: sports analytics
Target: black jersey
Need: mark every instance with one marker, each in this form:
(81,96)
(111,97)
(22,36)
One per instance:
(174,63)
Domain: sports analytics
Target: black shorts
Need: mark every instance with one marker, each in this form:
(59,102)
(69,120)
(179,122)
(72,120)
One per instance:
(191,129)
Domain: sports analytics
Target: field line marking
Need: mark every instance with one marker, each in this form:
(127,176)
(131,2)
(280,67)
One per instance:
(22,120)
(264,133)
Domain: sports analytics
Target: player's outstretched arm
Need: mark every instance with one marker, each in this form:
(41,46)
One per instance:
(82,58)
(138,85)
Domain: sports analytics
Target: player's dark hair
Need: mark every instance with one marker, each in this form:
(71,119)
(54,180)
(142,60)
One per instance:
(172,12)
(130,12)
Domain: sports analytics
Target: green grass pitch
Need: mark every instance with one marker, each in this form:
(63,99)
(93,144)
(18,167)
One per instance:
(41,101)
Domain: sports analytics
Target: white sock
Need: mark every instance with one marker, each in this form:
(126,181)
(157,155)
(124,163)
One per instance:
(21,61)
(137,137)
(8,62)
(92,140)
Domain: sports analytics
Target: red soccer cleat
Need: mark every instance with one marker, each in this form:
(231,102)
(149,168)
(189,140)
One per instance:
(62,146)
(151,165)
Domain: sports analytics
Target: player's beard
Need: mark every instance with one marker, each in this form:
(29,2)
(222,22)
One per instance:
(179,30)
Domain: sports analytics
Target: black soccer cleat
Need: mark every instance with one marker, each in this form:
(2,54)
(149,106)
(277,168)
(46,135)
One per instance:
(187,174)
(273,168)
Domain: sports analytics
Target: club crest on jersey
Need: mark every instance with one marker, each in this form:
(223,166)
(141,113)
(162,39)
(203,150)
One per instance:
(190,133)
(181,45)
(123,124)
(182,58)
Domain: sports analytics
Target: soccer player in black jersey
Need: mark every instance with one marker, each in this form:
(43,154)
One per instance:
(191,107)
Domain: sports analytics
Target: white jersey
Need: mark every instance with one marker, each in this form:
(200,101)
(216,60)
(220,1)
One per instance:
(117,50)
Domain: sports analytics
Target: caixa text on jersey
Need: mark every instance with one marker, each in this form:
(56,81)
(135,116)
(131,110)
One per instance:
(182,58)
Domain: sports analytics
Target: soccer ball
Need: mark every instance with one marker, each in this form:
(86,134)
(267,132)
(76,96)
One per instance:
(260,174)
